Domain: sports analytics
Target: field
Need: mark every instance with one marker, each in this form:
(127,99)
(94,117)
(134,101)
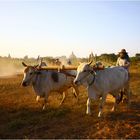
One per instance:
(21,116)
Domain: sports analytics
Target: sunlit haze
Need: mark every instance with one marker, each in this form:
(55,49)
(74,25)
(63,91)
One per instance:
(56,28)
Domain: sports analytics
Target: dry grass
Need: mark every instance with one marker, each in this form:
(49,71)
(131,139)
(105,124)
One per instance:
(22,117)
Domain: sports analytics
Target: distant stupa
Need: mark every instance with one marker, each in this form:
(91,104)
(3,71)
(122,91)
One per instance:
(72,56)
(9,56)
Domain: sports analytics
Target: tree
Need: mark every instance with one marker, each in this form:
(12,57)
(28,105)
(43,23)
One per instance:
(108,57)
(137,55)
(26,57)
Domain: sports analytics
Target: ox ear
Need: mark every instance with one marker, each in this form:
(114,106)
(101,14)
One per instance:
(24,64)
(90,63)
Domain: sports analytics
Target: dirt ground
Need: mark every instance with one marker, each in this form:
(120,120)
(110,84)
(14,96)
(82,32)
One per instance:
(21,116)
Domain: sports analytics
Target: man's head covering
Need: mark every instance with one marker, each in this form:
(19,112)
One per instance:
(123,51)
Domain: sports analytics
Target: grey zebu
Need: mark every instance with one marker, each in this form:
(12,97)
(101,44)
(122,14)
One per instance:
(109,80)
(44,82)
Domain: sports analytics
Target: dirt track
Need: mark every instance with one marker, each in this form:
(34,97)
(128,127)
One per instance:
(21,116)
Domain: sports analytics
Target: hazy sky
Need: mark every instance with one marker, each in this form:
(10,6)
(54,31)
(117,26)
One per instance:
(55,28)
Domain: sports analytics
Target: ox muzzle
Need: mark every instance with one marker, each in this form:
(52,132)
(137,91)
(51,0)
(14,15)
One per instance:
(77,82)
(24,84)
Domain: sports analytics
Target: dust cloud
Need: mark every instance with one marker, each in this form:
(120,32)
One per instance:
(7,70)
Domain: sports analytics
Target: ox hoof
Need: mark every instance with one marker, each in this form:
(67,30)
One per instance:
(113,109)
(43,108)
(37,98)
(60,104)
(99,115)
(88,113)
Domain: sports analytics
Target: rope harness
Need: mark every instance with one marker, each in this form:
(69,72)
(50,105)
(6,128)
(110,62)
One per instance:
(93,73)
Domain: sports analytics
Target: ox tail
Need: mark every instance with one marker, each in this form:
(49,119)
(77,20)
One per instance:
(120,97)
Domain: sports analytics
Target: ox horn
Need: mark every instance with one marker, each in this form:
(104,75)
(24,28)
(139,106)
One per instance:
(90,62)
(24,64)
(35,66)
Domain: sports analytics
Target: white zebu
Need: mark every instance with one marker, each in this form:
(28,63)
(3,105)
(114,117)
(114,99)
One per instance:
(44,81)
(109,80)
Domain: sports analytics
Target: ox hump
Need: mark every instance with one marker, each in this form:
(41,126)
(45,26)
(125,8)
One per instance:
(54,76)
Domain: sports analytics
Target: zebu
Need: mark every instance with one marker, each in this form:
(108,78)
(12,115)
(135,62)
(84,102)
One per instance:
(44,82)
(109,80)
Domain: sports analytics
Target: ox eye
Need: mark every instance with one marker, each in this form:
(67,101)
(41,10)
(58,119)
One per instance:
(31,73)
(84,71)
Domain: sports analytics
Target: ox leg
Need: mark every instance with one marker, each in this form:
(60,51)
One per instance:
(63,98)
(101,105)
(37,98)
(88,107)
(128,98)
(128,95)
(115,104)
(118,99)
(125,97)
(44,104)
(75,92)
